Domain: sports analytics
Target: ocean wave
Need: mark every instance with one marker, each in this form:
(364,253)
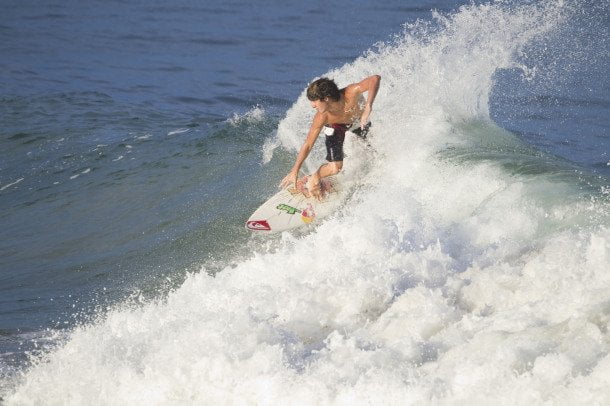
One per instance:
(448,276)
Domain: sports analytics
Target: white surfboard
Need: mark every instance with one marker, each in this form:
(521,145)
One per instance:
(292,207)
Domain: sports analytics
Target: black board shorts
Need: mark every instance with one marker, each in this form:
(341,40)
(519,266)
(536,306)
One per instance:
(336,138)
(334,147)
(362,132)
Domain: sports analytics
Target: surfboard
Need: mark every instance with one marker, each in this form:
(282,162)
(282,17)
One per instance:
(295,207)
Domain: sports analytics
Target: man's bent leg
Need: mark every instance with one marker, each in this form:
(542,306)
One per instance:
(328,169)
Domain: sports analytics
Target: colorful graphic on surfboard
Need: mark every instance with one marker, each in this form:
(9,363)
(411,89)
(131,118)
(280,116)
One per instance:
(295,207)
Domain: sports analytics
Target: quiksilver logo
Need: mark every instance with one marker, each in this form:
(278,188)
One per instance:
(258,225)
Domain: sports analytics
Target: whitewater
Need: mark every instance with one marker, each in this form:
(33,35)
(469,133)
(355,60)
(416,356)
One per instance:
(466,267)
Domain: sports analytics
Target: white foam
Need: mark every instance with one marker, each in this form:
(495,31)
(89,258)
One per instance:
(440,281)
(254,115)
(178,131)
(11,184)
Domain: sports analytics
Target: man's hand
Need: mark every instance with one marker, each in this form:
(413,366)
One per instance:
(289,180)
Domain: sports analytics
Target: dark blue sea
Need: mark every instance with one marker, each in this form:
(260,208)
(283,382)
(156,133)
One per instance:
(469,264)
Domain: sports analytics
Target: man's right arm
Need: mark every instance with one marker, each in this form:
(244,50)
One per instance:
(312,135)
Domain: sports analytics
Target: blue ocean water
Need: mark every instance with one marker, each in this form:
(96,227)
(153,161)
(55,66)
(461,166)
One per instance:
(137,137)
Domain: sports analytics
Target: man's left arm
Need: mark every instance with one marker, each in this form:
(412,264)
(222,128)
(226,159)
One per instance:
(371,86)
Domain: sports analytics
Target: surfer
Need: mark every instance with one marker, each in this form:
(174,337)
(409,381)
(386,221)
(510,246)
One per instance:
(336,111)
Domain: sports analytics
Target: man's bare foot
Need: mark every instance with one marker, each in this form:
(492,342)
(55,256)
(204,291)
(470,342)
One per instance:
(315,187)
(302,186)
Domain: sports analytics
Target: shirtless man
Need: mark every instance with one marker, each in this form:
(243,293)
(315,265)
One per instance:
(337,110)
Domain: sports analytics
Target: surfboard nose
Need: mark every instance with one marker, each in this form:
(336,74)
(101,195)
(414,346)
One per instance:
(258,225)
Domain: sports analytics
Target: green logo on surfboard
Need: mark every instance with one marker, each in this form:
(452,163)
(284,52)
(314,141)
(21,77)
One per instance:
(288,209)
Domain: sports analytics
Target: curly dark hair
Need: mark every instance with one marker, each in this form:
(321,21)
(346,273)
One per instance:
(323,88)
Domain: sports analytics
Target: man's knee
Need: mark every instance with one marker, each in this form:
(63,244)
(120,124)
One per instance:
(336,167)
